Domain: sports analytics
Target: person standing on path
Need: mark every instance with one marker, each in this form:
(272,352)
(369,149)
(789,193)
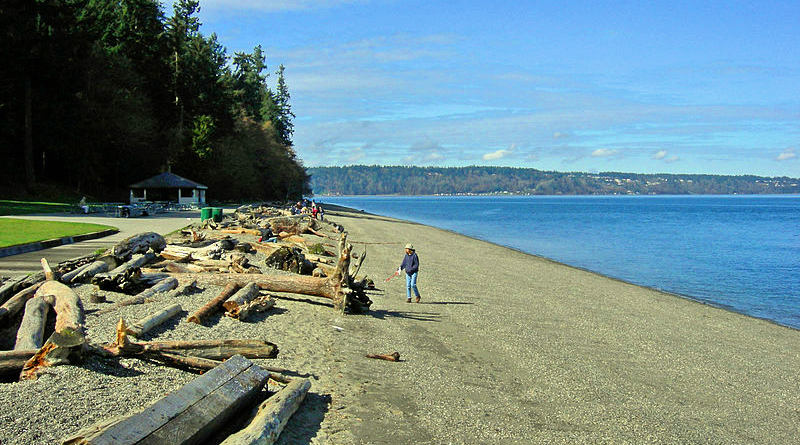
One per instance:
(410,265)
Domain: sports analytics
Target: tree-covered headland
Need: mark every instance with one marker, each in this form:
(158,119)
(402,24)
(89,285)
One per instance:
(98,94)
(397,180)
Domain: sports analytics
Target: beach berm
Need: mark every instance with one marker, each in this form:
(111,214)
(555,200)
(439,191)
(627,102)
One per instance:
(504,348)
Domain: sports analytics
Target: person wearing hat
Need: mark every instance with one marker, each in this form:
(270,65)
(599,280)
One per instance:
(410,265)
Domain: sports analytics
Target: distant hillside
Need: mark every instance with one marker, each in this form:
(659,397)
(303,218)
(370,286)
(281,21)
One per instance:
(389,180)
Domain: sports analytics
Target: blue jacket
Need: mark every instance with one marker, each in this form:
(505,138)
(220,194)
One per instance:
(410,263)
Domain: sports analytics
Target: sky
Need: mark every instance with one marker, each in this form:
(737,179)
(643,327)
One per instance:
(641,86)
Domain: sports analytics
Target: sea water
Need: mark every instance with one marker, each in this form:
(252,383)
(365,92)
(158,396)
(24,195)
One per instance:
(737,252)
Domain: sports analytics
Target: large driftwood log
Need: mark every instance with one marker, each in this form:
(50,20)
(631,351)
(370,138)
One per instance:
(214,304)
(31,331)
(66,304)
(17,302)
(189,415)
(165,285)
(268,420)
(242,296)
(146,324)
(139,243)
(125,275)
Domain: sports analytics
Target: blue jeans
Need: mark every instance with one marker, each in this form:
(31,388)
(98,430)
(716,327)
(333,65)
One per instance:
(411,283)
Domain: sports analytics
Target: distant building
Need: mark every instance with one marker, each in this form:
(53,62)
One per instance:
(168,187)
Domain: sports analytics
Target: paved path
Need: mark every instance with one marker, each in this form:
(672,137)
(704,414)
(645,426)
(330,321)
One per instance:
(25,263)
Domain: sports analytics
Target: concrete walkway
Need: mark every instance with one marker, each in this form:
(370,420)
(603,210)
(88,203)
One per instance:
(25,263)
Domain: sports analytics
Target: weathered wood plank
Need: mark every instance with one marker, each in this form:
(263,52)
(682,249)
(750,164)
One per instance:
(189,414)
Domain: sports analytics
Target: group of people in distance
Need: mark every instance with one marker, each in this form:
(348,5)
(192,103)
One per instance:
(305,207)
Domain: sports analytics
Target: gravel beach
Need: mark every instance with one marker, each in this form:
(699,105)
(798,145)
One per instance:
(505,348)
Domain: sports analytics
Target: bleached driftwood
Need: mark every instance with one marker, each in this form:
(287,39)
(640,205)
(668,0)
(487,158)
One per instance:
(124,275)
(146,324)
(17,302)
(259,304)
(66,304)
(31,331)
(269,419)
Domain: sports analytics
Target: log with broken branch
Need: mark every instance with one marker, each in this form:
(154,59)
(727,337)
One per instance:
(259,304)
(207,349)
(17,302)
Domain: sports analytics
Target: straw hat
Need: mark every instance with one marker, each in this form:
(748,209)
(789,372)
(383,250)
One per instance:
(409,246)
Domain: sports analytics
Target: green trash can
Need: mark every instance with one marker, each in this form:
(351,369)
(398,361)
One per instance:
(205,213)
(216,213)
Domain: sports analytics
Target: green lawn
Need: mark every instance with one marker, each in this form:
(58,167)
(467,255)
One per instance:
(21,231)
(27,207)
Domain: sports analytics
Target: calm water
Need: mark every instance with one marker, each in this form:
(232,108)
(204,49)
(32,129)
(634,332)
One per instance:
(737,252)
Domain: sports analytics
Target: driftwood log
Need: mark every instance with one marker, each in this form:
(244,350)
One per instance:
(146,324)
(11,362)
(66,304)
(31,331)
(214,304)
(125,275)
(268,420)
(259,304)
(165,285)
(189,415)
(241,297)
(393,357)
(17,302)
(207,349)
(140,243)
(87,272)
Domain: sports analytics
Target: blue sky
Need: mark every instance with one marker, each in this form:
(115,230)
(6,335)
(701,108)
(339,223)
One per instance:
(631,86)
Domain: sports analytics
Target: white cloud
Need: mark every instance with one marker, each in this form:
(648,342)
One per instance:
(559,135)
(786,155)
(661,154)
(495,155)
(672,159)
(604,153)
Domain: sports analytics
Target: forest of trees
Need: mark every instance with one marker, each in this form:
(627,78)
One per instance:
(391,180)
(98,94)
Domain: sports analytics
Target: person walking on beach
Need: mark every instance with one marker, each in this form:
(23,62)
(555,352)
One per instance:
(410,265)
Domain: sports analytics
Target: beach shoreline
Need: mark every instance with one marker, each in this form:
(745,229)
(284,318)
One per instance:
(505,348)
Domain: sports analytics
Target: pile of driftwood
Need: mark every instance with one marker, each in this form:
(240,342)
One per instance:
(146,266)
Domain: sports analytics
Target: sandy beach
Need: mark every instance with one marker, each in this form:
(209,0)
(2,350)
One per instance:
(505,348)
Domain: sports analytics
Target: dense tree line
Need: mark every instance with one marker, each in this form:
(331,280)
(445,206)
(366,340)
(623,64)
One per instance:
(391,180)
(98,94)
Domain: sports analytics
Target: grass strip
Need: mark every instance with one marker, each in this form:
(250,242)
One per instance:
(15,231)
(8,207)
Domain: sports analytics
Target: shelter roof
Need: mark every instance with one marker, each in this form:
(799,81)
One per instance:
(167,180)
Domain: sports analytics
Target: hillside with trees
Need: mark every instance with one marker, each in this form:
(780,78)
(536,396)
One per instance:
(98,94)
(394,180)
